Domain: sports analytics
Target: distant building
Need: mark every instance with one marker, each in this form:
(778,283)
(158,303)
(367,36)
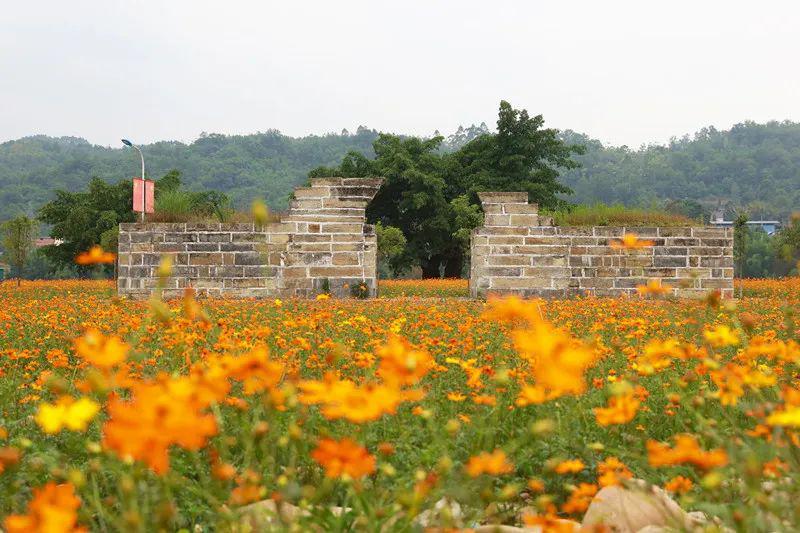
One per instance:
(4,271)
(47,241)
(769,226)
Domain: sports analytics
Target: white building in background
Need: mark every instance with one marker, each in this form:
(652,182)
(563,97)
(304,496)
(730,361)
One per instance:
(769,226)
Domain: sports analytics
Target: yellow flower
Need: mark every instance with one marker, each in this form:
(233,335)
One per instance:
(721,336)
(66,413)
(789,417)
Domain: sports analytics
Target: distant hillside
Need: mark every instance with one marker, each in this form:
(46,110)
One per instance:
(266,165)
(752,165)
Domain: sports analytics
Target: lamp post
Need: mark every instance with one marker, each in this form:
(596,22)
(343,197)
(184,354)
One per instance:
(126,142)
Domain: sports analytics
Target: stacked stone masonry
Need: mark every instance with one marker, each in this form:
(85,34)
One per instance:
(519,252)
(321,244)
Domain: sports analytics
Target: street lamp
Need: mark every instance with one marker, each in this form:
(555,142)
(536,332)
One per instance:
(126,142)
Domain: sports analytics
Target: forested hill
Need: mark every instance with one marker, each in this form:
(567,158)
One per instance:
(756,166)
(751,166)
(264,165)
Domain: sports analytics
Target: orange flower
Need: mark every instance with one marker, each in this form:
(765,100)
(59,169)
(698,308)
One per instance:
(95,256)
(572,466)
(248,489)
(580,498)
(344,458)
(495,464)
(620,410)
(158,415)
(401,364)
(654,287)
(686,450)
(612,471)
(558,361)
(345,399)
(678,485)
(99,350)
(255,370)
(9,456)
(53,509)
(630,241)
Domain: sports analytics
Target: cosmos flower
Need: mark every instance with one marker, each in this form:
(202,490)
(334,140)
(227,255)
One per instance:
(53,509)
(343,458)
(630,241)
(95,256)
(495,463)
(66,413)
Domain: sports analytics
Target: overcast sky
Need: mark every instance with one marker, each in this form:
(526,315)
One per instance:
(624,72)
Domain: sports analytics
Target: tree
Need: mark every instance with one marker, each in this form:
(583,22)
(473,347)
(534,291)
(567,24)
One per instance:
(430,195)
(521,156)
(391,248)
(85,219)
(18,236)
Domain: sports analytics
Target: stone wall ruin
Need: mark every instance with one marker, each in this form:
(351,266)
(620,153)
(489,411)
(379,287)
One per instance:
(322,244)
(519,252)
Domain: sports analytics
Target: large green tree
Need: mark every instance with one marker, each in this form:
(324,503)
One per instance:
(85,219)
(430,195)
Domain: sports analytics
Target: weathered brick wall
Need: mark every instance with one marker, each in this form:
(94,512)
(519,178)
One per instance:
(518,252)
(321,243)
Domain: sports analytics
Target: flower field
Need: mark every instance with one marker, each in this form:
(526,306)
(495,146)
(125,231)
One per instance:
(394,414)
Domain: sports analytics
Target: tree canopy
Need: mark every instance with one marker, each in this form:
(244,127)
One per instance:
(430,195)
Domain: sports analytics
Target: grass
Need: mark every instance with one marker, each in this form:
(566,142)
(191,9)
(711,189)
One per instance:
(618,215)
(459,375)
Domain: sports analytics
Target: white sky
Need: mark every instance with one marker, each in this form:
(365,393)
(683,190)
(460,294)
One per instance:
(624,72)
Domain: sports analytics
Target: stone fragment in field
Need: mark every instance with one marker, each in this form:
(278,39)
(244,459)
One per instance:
(636,507)
(266,514)
(445,512)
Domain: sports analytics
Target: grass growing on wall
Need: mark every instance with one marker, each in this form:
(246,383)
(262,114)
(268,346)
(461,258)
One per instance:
(618,215)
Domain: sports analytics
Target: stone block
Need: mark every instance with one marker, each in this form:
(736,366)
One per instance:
(669,261)
(509,260)
(520,283)
(674,232)
(497,220)
(503,197)
(520,209)
(524,220)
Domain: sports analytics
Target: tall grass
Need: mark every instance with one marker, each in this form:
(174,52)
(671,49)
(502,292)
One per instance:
(618,215)
(174,206)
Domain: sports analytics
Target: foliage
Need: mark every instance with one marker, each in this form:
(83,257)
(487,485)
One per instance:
(427,193)
(751,166)
(616,215)
(85,219)
(18,236)
(366,414)
(244,167)
(521,156)
(391,249)
(173,206)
